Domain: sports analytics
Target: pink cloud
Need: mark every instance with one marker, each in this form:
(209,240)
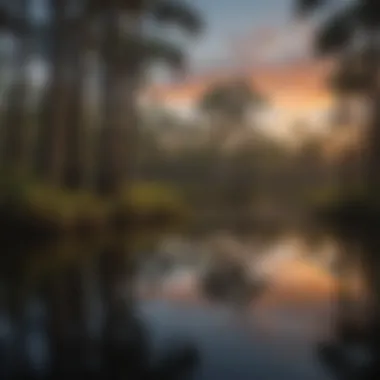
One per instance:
(273,44)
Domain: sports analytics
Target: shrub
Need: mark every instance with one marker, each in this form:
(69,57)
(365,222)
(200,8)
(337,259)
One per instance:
(147,201)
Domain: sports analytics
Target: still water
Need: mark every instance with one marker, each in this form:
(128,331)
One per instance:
(272,335)
(262,322)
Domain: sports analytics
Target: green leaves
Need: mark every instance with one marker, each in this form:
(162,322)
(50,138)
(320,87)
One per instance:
(133,6)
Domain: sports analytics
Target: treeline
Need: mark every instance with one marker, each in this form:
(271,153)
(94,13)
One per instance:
(244,170)
(53,160)
(113,35)
(355,219)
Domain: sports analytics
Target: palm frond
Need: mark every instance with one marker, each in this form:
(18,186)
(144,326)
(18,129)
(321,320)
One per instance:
(163,51)
(306,6)
(165,11)
(337,32)
(171,11)
(96,6)
(146,50)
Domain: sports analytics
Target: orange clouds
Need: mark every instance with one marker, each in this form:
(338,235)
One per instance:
(299,283)
(293,86)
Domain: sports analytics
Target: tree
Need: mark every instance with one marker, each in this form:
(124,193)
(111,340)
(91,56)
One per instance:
(125,61)
(228,104)
(15,134)
(358,63)
(76,147)
(52,134)
(351,35)
(56,303)
(125,52)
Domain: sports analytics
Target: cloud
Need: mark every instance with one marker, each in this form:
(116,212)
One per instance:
(268,45)
(278,62)
(295,90)
(291,86)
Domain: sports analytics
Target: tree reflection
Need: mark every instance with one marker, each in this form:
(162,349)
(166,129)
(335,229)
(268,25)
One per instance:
(78,317)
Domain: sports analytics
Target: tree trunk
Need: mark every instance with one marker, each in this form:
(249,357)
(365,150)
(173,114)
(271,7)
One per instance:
(118,137)
(108,180)
(119,131)
(75,167)
(15,137)
(52,139)
(129,120)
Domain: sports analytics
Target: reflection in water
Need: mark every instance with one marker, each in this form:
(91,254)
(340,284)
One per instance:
(101,308)
(66,312)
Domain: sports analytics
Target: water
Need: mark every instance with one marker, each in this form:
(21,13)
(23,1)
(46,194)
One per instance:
(272,337)
(268,333)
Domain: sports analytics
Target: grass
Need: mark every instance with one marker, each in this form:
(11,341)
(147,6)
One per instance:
(151,202)
(37,207)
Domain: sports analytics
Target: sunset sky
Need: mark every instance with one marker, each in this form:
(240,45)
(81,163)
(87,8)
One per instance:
(263,41)
(260,39)
(230,26)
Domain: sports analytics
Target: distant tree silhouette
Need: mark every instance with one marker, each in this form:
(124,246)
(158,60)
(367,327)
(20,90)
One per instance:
(227,105)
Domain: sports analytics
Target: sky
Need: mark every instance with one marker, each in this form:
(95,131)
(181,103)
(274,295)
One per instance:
(235,29)
(260,39)
(264,41)
(229,22)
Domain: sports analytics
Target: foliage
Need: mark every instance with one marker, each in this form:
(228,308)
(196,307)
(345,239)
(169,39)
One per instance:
(337,32)
(230,100)
(46,207)
(169,11)
(306,6)
(146,201)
